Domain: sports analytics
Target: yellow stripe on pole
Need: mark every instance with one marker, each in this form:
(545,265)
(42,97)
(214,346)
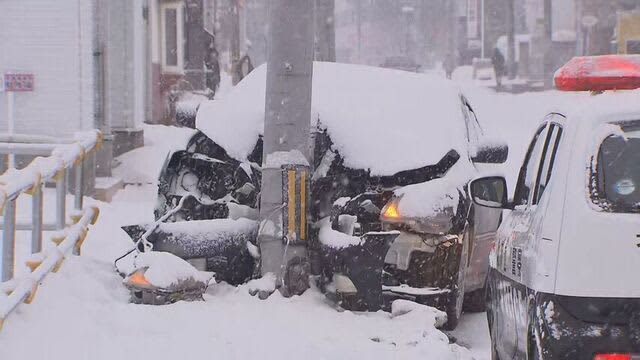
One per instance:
(292,203)
(303,205)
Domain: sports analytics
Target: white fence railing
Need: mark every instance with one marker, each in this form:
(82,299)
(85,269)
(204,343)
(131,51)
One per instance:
(63,160)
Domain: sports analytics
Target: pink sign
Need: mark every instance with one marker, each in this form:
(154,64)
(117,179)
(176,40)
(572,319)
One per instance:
(19,82)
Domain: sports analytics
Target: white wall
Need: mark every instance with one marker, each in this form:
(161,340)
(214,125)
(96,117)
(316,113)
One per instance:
(53,40)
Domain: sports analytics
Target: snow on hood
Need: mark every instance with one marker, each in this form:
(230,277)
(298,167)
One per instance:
(379,119)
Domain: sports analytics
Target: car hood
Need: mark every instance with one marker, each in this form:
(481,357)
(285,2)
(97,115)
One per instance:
(382,120)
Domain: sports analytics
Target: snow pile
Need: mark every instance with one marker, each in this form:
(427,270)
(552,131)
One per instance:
(165,269)
(336,239)
(143,165)
(366,111)
(267,283)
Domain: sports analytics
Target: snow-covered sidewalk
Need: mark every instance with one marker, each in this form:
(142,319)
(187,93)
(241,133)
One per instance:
(82,312)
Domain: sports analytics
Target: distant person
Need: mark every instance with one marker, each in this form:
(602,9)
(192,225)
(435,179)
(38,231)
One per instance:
(212,64)
(498,66)
(449,65)
(243,67)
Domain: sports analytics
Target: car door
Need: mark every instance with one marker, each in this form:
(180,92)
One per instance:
(529,241)
(519,233)
(516,225)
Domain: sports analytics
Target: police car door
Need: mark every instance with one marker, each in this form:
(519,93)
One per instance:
(517,233)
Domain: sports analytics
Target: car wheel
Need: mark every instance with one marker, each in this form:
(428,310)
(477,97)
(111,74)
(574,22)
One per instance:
(492,335)
(456,298)
(494,352)
(476,301)
(533,352)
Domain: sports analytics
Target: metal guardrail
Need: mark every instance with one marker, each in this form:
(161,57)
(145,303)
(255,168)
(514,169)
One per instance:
(63,161)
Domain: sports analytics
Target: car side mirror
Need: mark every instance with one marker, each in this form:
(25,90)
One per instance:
(491,153)
(490,192)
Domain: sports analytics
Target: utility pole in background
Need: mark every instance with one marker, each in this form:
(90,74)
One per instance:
(548,43)
(511,39)
(284,194)
(359,28)
(235,41)
(325,40)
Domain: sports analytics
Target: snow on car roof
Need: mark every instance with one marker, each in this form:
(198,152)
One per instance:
(379,119)
(592,110)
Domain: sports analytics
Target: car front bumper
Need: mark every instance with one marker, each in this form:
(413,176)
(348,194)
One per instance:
(391,265)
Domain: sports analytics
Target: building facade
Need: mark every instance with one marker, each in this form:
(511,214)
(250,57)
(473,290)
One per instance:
(88,60)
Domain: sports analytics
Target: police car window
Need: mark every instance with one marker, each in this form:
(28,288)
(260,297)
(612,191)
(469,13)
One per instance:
(617,172)
(548,159)
(528,172)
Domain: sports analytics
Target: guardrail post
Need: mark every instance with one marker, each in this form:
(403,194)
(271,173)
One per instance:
(79,184)
(8,240)
(36,215)
(61,198)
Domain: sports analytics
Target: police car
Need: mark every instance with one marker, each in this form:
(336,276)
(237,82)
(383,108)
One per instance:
(563,280)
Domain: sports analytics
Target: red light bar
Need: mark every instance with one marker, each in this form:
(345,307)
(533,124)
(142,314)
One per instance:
(612,357)
(599,73)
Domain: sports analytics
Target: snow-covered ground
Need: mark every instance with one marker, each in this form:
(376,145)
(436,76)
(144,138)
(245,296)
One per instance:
(83,312)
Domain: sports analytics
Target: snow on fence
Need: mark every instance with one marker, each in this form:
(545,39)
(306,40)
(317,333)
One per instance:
(71,157)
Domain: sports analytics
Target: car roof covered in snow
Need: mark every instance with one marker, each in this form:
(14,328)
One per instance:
(379,119)
(592,110)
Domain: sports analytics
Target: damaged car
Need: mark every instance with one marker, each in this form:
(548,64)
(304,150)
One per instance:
(389,214)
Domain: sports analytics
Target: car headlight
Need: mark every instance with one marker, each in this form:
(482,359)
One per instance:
(439,222)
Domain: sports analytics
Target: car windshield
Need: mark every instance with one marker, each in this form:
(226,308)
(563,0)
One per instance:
(618,171)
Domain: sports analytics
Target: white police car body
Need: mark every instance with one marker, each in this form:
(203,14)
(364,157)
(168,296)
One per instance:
(563,282)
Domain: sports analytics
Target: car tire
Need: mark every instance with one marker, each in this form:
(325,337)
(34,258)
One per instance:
(533,352)
(492,337)
(455,303)
(476,301)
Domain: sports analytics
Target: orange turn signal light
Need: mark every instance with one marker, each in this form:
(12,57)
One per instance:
(391,211)
(138,279)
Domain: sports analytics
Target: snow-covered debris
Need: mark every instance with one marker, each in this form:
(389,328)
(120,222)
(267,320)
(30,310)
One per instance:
(201,238)
(266,283)
(402,307)
(165,269)
(367,112)
(336,239)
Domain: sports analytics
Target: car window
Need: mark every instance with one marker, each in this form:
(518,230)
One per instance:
(617,174)
(549,153)
(528,172)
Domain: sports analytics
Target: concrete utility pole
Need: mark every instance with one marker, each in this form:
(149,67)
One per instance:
(282,233)
(325,30)
(235,41)
(511,39)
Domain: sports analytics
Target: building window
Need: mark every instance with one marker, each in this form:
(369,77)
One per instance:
(172,23)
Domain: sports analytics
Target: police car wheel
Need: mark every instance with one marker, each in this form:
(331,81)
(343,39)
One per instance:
(533,353)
